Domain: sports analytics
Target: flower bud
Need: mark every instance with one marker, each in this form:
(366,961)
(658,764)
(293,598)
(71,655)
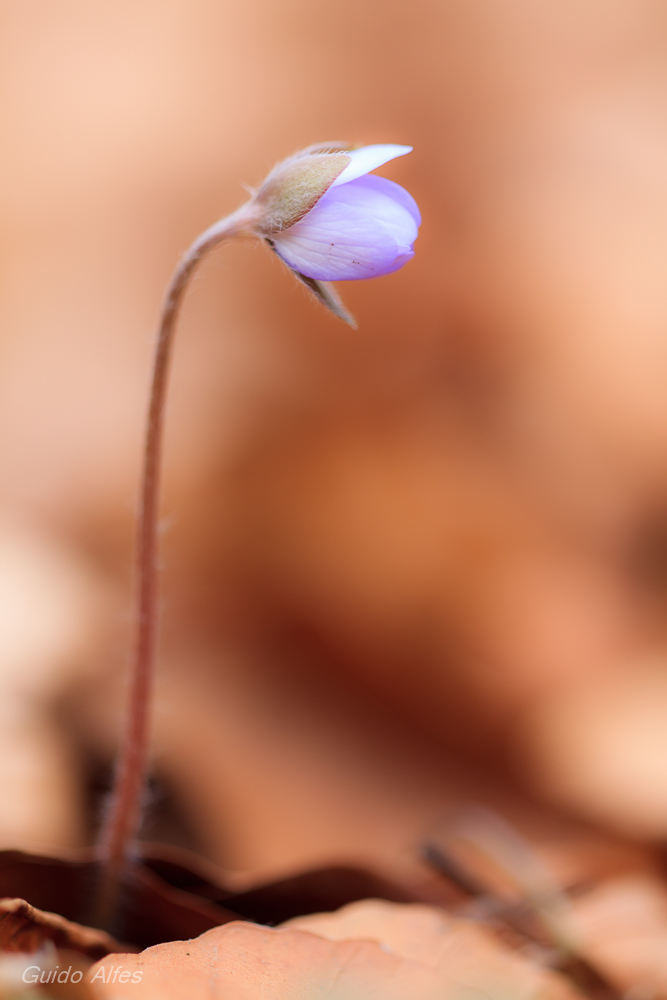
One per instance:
(327,219)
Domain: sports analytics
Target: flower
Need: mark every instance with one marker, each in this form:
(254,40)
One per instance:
(360,227)
(328,219)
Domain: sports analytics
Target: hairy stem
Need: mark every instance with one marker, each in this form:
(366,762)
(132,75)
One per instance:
(121,828)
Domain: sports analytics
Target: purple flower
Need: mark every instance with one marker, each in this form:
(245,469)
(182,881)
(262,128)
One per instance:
(361,227)
(328,220)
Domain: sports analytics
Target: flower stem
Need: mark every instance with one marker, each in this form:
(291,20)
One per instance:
(119,832)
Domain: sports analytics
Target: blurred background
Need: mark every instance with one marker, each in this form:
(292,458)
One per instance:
(420,562)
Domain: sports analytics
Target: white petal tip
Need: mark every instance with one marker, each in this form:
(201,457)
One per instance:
(368,158)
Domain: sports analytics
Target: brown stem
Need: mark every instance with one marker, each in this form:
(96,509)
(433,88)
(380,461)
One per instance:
(120,830)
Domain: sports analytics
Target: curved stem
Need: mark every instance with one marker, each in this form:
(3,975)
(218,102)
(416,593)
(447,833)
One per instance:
(120,830)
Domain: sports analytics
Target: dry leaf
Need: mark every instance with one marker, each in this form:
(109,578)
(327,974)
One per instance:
(175,894)
(24,928)
(370,949)
(151,909)
(21,972)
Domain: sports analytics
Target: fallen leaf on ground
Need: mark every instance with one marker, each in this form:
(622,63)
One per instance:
(151,910)
(34,975)
(174,894)
(371,949)
(25,928)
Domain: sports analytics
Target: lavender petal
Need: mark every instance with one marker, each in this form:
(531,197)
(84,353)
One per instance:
(338,242)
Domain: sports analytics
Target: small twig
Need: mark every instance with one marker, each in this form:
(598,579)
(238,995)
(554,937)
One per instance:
(538,915)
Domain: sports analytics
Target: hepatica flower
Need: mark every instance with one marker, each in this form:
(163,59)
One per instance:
(329,219)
